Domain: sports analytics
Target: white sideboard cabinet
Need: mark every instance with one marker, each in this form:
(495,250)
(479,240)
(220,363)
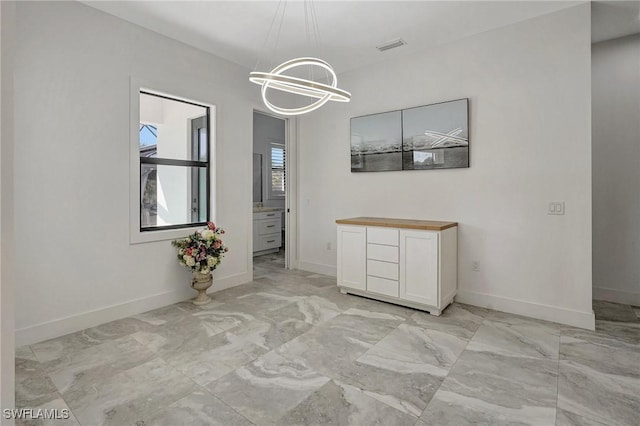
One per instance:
(407,262)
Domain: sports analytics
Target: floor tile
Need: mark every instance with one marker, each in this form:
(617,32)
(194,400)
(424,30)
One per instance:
(458,319)
(264,390)
(622,360)
(313,310)
(199,408)
(412,349)
(57,348)
(350,301)
(340,404)
(262,300)
(607,332)
(566,418)
(169,313)
(625,331)
(609,311)
(62,346)
(173,339)
(224,317)
(342,301)
(25,352)
(298,284)
(333,348)
(407,392)
(547,326)
(290,349)
(493,388)
(319,280)
(33,387)
(227,294)
(271,333)
(221,353)
(520,339)
(342,339)
(76,370)
(598,382)
(128,396)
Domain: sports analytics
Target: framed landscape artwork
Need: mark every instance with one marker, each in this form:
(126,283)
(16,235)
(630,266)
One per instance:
(376,142)
(421,138)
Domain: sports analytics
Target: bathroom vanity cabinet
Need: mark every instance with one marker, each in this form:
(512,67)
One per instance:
(267,231)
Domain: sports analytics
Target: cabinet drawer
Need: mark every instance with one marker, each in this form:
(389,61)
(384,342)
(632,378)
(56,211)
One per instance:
(386,236)
(384,253)
(382,269)
(271,241)
(267,215)
(269,226)
(383,286)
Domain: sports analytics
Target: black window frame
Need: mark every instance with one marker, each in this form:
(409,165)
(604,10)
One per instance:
(181,163)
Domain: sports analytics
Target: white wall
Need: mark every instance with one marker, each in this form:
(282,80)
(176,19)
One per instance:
(72,167)
(616,175)
(267,129)
(7,343)
(530,130)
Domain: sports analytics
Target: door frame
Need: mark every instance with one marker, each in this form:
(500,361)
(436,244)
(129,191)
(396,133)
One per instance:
(291,188)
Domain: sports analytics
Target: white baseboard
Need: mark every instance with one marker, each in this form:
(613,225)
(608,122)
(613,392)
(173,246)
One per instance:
(618,296)
(232,281)
(318,268)
(71,324)
(529,309)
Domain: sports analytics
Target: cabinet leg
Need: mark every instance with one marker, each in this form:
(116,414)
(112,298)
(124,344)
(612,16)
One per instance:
(435,312)
(343,291)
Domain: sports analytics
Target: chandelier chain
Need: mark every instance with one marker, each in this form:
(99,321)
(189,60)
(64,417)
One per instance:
(262,56)
(275,47)
(316,28)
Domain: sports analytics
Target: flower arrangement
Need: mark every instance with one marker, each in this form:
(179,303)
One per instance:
(203,250)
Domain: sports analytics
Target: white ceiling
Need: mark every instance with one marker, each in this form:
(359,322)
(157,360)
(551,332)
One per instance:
(349,30)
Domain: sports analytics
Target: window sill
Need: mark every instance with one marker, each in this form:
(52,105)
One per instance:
(138,237)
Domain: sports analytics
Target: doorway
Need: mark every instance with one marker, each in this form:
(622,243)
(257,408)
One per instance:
(269,194)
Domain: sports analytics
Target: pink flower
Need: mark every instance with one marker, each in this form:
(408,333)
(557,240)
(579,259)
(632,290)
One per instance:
(217,244)
(211,226)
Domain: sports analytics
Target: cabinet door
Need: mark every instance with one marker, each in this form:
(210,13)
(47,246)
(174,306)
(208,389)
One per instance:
(352,257)
(419,266)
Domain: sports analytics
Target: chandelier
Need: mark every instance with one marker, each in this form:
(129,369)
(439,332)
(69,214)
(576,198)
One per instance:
(276,79)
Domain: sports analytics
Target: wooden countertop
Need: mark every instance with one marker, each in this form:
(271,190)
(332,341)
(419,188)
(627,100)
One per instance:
(427,225)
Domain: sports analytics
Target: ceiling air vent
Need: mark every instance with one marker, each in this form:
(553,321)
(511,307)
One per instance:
(391,44)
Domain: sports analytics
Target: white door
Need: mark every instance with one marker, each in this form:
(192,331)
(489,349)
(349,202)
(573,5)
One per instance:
(352,257)
(419,266)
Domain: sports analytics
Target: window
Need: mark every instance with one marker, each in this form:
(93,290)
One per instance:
(174,163)
(278,175)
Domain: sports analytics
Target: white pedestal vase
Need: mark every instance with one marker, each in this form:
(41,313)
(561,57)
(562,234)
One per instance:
(201,282)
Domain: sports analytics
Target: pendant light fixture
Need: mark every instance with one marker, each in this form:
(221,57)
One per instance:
(276,79)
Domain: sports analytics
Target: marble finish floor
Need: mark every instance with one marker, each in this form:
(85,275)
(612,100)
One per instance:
(289,349)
